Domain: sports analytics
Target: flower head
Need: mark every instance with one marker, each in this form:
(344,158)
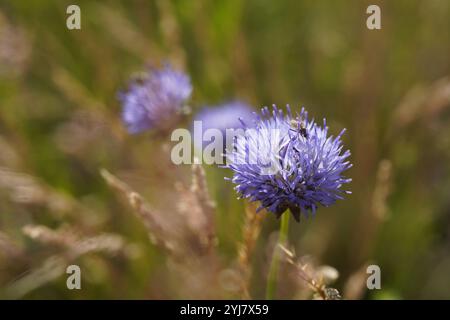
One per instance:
(289,162)
(226,119)
(155,101)
(225,116)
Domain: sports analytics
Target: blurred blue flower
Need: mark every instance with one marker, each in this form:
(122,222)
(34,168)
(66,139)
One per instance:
(225,116)
(290,163)
(156,100)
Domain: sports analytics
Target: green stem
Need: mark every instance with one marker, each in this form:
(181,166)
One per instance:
(275,263)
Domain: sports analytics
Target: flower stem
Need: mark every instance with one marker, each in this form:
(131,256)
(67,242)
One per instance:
(271,287)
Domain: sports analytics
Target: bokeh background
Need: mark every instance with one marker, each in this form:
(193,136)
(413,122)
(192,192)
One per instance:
(60,125)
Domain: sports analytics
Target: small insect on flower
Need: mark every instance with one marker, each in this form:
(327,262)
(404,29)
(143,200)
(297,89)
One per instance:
(299,126)
(155,100)
(306,164)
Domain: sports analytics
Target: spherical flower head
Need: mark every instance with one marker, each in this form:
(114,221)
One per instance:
(288,162)
(156,100)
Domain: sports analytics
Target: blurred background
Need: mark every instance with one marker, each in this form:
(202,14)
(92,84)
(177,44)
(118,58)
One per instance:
(76,188)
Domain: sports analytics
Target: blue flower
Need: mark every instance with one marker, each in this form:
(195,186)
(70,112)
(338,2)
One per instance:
(223,117)
(156,100)
(288,162)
